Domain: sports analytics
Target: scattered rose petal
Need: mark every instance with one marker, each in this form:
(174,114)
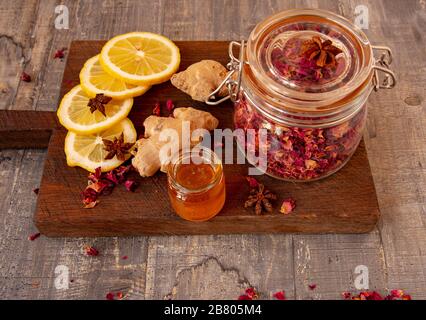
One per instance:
(91,251)
(169,105)
(280,295)
(36,190)
(104,183)
(130,185)
(60,53)
(312,286)
(119,295)
(34,236)
(110,296)
(250,294)
(124,257)
(156,111)
(346,295)
(25,77)
(253,183)
(398,295)
(288,206)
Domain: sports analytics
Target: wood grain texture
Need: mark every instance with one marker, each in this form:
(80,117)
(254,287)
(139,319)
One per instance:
(352,209)
(395,137)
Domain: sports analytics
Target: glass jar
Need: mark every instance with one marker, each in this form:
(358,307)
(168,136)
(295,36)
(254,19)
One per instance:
(196,185)
(304,77)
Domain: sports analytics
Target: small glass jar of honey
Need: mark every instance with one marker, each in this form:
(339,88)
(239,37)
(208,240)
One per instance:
(196,185)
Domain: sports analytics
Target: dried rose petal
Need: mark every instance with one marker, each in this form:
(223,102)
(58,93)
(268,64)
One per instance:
(103,184)
(95,176)
(253,183)
(124,257)
(288,206)
(312,286)
(347,295)
(60,53)
(251,293)
(397,293)
(25,77)
(119,295)
(34,236)
(169,105)
(130,185)
(109,296)
(368,295)
(280,295)
(111,176)
(157,110)
(91,251)
(36,190)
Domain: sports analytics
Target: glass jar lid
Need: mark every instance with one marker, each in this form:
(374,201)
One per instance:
(301,56)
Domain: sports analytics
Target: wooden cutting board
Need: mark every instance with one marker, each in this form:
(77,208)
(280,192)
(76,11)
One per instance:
(343,203)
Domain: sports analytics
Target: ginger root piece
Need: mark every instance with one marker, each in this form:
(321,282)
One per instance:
(147,159)
(201,79)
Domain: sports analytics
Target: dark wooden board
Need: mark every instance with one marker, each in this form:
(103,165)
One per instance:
(343,203)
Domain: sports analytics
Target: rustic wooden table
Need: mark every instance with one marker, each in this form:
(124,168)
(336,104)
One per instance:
(215,267)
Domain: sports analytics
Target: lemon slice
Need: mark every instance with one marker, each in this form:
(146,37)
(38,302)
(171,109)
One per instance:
(75,115)
(140,58)
(94,79)
(87,151)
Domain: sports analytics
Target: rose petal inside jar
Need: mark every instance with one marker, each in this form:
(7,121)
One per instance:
(295,153)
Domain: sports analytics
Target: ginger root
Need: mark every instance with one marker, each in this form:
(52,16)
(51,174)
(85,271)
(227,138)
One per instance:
(148,159)
(201,79)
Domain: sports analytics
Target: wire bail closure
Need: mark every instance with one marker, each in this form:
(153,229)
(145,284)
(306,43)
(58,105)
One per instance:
(235,66)
(382,64)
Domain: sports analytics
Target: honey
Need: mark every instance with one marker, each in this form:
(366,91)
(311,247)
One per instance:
(196,186)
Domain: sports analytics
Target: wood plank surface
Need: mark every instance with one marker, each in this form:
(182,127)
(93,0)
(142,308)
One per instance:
(157,266)
(352,209)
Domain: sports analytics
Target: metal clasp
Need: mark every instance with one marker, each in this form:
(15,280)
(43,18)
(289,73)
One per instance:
(234,66)
(382,64)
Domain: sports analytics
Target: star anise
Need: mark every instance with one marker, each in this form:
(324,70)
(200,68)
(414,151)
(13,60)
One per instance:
(98,103)
(323,53)
(117,148)
(261,199)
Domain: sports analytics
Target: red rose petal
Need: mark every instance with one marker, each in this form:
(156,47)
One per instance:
(25,77)
(91,251)
(110,296)
(253,183)
(34,236)
(60,53)
(130,185)
(288,206)
(280,295)
(347,295)
(312,286)
(251,293)
(36,190)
